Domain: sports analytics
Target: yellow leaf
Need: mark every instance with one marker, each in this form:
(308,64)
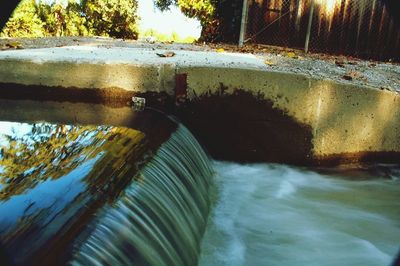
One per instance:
(220,50)
(269,63)
(291,55)
(14,44)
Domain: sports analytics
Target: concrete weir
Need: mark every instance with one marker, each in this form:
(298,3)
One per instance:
(238,106)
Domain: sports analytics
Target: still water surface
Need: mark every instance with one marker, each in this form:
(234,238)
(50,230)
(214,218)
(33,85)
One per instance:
(268,214)
(53,177)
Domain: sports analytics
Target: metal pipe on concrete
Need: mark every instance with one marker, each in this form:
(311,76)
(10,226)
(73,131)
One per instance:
(243,23)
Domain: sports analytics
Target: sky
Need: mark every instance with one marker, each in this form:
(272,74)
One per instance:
(168,21)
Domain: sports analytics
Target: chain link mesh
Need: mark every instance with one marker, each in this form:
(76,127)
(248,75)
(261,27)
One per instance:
(362,28)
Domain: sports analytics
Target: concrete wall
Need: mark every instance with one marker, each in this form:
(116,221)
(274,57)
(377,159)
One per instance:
(344,119)
(89,75)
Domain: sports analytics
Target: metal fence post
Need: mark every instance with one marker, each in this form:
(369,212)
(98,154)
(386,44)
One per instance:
(297,25)
(243,23)
(310,20)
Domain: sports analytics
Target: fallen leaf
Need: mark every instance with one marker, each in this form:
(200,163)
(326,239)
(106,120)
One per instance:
(15,45)
(352,63)
(220,50)
(339,63)
(269,63)
(166,54)
(348,77)
(291,55)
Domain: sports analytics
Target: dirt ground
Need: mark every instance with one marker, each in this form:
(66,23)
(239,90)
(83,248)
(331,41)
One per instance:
(381,75)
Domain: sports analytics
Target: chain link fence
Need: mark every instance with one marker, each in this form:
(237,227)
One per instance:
(362,28)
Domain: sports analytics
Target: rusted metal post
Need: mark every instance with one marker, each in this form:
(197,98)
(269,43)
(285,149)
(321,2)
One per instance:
(243,23)
(310,20)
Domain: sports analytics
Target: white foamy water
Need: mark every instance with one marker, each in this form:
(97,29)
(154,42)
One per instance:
(269,214)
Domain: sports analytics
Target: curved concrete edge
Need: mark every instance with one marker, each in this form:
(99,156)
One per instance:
(89,75)
(344,119)
(132,69)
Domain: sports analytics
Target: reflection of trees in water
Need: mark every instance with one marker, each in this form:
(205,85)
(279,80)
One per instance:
(24,226)
(50,151)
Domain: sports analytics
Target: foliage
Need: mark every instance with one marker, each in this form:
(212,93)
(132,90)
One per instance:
(220,19)
(201,9)
(161,37)
(110,18)
(25,21)
(116,18)
(75,22)
(63,20)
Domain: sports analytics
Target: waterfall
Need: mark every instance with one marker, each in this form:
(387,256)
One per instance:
(161,216)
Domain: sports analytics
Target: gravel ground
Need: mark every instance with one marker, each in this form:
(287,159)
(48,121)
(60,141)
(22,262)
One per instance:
(381,75)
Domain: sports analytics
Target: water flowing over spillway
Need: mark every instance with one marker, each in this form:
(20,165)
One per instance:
(161,216)
(53,177)
(102,195)
(108,195)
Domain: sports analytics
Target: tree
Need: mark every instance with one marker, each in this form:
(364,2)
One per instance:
(63,19)
(220,19)
(24,22)
(114,18)
(75,20)
(109,18)
(7,8)
(53,18)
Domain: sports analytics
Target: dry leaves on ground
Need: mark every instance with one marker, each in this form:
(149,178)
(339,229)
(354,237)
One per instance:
(269,63)
(12,45)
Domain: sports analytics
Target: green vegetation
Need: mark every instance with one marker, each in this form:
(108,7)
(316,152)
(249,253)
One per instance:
(25,21)
(109,18)
(161,37)
(203,10)
(220,19)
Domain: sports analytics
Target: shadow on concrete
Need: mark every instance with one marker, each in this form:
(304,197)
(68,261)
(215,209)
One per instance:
(244,128)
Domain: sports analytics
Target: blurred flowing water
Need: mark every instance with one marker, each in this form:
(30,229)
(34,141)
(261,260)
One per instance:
(268,214)
(160,219)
